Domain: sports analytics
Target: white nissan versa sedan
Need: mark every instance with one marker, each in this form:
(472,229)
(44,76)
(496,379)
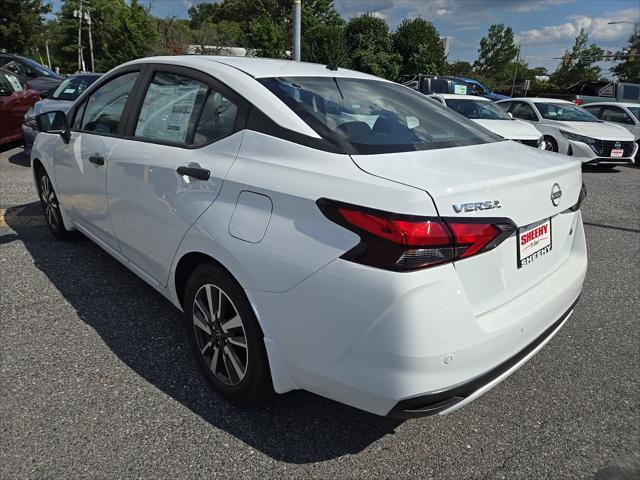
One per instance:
(321,229)
(574,131)
(484,112)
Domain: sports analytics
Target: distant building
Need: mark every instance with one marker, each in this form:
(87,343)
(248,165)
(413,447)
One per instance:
(446,44)
(215,50)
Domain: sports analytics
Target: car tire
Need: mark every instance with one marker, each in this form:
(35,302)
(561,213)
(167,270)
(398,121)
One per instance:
(550,144)
(51,207)
(227,340)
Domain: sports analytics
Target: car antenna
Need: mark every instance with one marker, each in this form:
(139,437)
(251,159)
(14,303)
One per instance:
(334,65)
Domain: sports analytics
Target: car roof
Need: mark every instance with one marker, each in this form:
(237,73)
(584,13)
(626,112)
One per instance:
(613,104)
(260,67)
(534,99)
(461,97)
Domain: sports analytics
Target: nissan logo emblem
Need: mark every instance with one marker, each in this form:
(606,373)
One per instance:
(556,193)
(617,145)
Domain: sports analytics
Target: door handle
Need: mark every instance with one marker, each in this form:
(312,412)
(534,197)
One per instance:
(97,159)
(195,172)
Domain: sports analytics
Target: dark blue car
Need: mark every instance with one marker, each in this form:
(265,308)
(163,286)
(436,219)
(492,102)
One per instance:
(484,91)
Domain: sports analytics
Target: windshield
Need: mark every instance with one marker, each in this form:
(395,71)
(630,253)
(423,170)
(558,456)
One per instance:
(371,116)
(42,71)
(564,112)
(635,111)
(72,87)
(477,109)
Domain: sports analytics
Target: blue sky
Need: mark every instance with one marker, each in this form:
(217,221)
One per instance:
(545,28)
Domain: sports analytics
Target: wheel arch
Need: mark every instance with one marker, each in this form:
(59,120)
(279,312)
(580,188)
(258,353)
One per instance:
(187,263)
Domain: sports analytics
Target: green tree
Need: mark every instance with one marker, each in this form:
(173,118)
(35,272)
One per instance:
(629,69)
(121,32)
(372,49)
(497,50)
(418,42)
(268,25)
(324,44)
(460,68)
(21,22)
(174,36)
(578,64)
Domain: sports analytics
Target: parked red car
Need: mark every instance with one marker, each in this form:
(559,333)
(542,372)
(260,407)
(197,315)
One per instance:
(16,98)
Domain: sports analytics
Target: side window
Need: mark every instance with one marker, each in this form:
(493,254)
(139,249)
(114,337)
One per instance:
(524,111)
(9,83)
(170,108)
(616,115)
(77,121)
(105,106)
(631,92)
(15,67)
(505,105)
(595,111)
(218,119)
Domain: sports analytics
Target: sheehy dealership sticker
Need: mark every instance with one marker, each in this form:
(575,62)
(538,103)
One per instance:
(534,241)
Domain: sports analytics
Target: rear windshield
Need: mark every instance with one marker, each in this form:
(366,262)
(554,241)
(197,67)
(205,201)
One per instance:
(370,116)
(72,87)
(564,112)
(477,109)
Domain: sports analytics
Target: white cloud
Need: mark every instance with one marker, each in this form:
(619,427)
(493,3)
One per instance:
(598,28)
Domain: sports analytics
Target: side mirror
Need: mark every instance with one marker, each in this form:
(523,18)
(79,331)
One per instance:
(510,115)
(45,94)
(56,123)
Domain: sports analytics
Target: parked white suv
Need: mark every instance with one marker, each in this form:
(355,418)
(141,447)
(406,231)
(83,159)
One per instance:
(574,131)
(321,229)
(484,112)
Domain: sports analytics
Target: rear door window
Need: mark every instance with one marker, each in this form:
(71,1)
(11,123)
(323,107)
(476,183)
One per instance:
(631,92)
(524,111)
(180,110)
(615,115)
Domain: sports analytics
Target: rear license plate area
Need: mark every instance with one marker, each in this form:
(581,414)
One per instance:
(534,241)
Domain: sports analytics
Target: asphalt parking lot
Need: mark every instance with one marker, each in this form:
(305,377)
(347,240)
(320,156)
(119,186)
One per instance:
(96,380)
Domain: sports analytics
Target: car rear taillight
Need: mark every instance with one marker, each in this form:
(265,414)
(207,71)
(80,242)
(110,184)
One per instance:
(405,242)
(578,101)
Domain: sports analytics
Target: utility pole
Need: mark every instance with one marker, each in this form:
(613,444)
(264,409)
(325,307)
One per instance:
(515,72)
(297,26)
(46,46)
(87,17)
(78,14)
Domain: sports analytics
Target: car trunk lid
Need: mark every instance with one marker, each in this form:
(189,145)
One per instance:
(496,181)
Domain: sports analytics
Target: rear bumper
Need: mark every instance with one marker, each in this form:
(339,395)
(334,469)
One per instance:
(378,340)
(447,401)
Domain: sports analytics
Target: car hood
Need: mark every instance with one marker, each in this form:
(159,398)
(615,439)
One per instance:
(49,105)
(598,130)
(511,129)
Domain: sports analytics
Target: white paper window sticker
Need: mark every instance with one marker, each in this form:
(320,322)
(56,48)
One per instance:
(15,83)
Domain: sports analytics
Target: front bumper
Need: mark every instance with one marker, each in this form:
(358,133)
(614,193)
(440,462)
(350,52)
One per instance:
(587,155)
(28,137)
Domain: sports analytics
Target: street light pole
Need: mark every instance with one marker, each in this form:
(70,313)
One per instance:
(636,24)
(515,72)
(297,26)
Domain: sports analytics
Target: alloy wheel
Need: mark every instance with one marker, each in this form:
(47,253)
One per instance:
(50,201)
(220,334)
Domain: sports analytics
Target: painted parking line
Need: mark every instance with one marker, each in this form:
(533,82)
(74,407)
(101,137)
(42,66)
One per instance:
(13,217)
